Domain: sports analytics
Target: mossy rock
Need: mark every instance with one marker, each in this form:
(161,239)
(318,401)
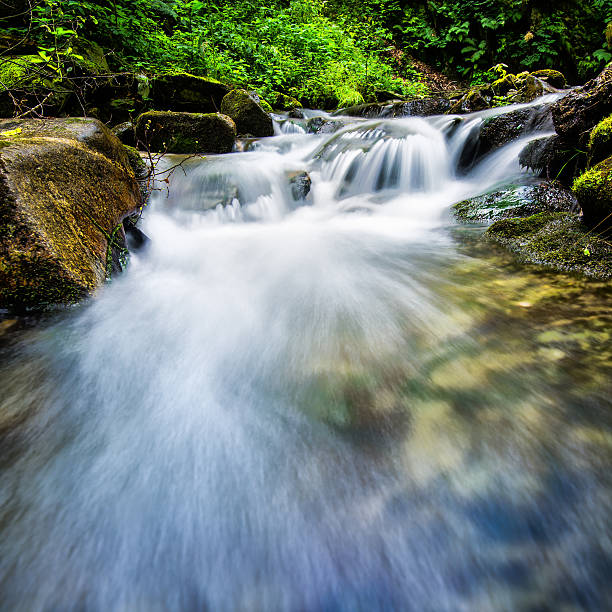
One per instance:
(181,91)
(552,77)
(502,86)
(86,130)
(25,84)
(266,106)
(249,116)
(547,157)
(475,100)
(600,141)
(92,61)
(557,240)
(529,88)
(285,103)
(593,190)
(185,132)
(516,202)
(60,201)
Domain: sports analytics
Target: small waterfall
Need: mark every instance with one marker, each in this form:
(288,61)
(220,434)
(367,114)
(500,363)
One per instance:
(314,401)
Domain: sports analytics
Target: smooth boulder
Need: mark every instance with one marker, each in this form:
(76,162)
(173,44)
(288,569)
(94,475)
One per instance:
(170,132)
(64,191)
(249,116)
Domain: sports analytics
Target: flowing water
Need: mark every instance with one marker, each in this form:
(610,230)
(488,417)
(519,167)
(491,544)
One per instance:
(343,402)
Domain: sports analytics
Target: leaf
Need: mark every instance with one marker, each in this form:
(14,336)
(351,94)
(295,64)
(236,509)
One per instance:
(586,251)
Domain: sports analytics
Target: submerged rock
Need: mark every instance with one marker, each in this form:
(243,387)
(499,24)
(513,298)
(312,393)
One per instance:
(594,192)
(300,185)
(557,240)
(187,93)
(249,116)
(171,132)
(324,125)
(64,190)
(516,202)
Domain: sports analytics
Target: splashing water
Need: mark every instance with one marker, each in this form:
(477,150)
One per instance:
(323,402)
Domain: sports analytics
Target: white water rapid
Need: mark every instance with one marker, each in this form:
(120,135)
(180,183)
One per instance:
(320,403)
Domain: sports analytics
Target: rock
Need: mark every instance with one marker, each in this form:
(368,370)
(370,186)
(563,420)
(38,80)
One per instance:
(62,202)
(137,240)
(186,92)
(415,108)
(528,88)
(557,240)
(545,156)
(324,125)
(593,190)
(300,185)
(473,101)
(502,86)
(582,109)
(382,95)
(502,129)
(552,77)
(90,132)
(125,133)
(248,115)
(600,141)
(296,113)
(516,202)
(285,103)
(185,132)
(26,85)
(92,61)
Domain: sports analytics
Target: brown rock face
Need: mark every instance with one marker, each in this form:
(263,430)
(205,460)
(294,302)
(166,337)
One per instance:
(60,203)
(579,111)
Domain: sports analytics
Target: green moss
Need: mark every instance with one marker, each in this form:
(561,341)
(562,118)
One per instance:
(600,141)
(552,77)
(283,102)
(249,116)
(593,190)
(557,240)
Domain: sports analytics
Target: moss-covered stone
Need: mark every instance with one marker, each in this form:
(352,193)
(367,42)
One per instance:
(90,132)
(285,103)
(600,141)
(552,77)
(557,240)
(502,86)
(25,83)
(593,190)
(516,202)
(249,116)
(181,91)
(60,201)
(185,132)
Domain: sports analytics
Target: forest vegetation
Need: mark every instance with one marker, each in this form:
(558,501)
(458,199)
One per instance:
(323,52)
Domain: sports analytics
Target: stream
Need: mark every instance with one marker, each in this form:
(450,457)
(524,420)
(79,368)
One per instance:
(337,402)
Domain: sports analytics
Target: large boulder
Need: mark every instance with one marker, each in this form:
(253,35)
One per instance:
(64,191)
(557,240)
(594,192)
(579,111)
(186,92)
(170,132)
(249,116)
